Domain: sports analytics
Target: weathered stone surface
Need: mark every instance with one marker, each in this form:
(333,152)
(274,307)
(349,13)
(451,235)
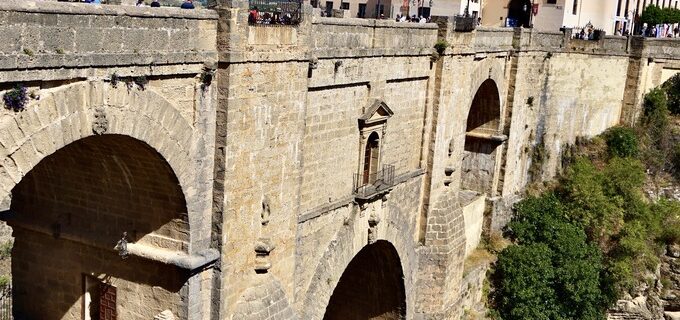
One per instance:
(272,149)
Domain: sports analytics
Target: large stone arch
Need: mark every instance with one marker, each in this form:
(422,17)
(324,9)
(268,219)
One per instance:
(70,210)
(71,112)
(395,230)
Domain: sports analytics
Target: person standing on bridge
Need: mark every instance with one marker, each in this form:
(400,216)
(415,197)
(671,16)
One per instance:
(188,4)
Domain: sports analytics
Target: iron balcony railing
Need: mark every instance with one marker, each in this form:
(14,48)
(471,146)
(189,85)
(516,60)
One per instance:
(275,12)
(367,185)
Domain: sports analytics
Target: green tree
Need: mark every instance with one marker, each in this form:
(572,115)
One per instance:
(552,272)
(652,15)
(672,88)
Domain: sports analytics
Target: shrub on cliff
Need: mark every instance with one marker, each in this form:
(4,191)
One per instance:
(621,142)
(672,88)
(552,272)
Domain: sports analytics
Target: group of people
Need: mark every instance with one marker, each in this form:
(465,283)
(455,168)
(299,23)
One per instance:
(256,17)
(585,34)
(154,4)
(662,31)
(413,18)
(187,4)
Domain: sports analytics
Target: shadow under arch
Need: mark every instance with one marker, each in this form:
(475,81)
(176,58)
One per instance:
(69,211)
(482,139)
(371,287)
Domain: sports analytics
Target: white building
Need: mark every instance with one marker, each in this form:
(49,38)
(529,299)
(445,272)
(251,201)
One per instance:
(551,15)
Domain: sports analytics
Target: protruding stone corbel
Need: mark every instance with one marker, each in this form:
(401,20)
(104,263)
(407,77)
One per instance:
(373,221)
(313,63)
(263,248)
(100,124)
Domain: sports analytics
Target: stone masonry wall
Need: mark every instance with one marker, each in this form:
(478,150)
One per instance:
(48,279)
(280,120)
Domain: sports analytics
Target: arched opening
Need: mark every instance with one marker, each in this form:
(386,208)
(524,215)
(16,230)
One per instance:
(482,139)
(371,158)
(69,212)
(519,13)
(372,287)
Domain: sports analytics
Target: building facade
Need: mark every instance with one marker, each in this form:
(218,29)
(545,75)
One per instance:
(391,8)
(551,15)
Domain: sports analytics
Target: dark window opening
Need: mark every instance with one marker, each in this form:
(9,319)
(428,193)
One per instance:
(371,158)
(574,10)
(329,8)
(362,10)
(379,10)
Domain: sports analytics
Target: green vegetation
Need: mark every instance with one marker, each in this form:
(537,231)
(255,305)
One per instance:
(6,249)
(582,244)
(653,15)
(440,46)
(5,281)
(622,142)
(672,88)
(553,271)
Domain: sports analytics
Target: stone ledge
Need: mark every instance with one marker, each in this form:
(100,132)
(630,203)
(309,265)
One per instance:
(51,74)
(45,61)
(345,201)
(109,10)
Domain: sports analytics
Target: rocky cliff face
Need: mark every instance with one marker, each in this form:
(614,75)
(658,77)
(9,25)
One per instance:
(670,279)
(659,298)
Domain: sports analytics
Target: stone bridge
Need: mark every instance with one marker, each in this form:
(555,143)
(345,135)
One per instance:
(337,169)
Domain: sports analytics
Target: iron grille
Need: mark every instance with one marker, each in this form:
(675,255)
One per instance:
(366,185)
(275,12)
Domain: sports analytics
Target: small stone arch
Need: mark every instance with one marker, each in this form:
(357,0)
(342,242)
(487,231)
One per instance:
(397,233)
(75,111)
(482,139)
(371,287)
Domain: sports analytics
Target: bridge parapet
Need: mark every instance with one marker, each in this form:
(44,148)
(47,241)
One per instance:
(48,35)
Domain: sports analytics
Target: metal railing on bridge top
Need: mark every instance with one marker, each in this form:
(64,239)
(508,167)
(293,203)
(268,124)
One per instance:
(275,12)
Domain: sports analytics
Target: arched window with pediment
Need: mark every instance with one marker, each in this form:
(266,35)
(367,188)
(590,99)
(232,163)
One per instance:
(371,158)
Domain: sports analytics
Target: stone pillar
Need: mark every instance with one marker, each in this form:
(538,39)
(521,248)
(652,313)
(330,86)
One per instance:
(443,231)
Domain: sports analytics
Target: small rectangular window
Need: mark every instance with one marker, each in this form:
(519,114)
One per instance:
(551,2)
(329,8)
(574,9)
(344,6)
(362,10)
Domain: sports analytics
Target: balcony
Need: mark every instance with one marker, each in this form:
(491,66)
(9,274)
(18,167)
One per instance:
(371,185)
